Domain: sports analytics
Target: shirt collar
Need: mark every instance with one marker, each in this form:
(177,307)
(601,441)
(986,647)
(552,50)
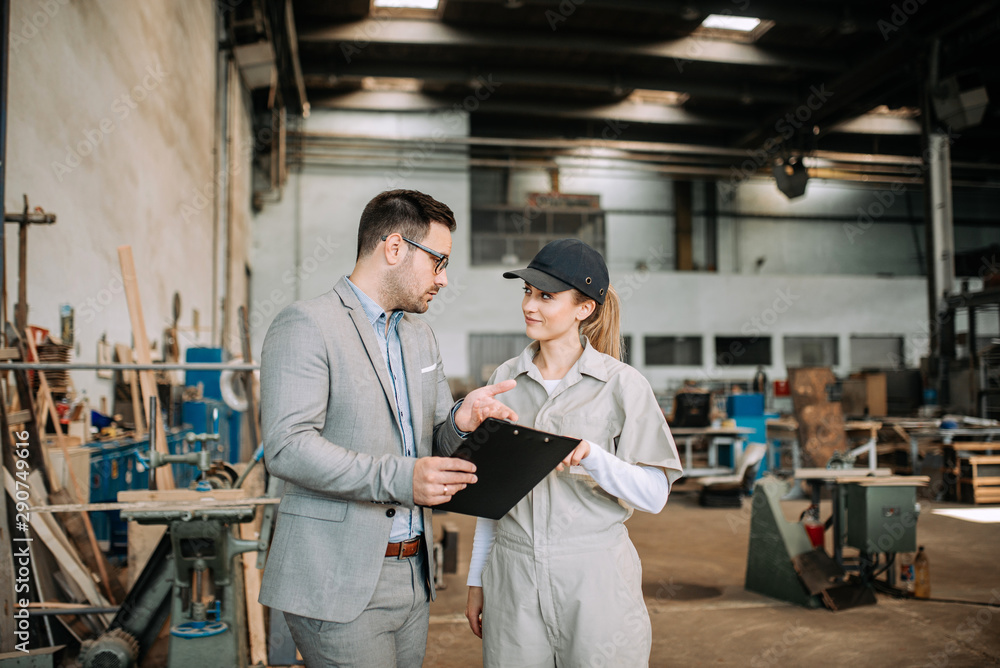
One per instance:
(591,362)
(372,310)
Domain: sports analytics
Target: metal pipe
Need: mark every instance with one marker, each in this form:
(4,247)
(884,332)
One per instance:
(85,366)
(45,612)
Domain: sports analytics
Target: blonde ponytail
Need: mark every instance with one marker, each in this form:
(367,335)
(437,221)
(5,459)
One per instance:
(603,327)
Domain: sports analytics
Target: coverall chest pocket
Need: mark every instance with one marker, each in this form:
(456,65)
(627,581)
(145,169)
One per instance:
(600,432)
(594,428)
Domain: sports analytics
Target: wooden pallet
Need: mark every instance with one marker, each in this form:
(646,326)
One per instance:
(980,479)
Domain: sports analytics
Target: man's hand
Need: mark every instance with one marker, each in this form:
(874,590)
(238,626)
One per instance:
(436,479)
(474,610)
(578,454)
(481,404)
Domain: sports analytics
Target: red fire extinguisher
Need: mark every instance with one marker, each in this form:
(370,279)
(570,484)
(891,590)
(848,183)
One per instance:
(815,529)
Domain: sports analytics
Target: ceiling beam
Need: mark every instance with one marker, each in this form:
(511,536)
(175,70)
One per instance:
(898,64)
(320,75)
(846,19)
(352,38)
(626,112)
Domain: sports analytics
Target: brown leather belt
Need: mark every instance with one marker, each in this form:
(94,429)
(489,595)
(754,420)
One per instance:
(404,550)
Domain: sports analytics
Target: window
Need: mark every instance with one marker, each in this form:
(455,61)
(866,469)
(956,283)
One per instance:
(512,235)
(672,350)
(811,351)
(488,351)
(627,348)
(876,352)
(742,350)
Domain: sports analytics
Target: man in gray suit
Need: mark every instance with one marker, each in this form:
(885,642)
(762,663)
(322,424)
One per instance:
(358,421)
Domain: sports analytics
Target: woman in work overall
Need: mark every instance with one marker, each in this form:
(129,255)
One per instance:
(556,581)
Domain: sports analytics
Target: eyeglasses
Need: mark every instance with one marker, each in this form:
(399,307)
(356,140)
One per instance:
(442,260)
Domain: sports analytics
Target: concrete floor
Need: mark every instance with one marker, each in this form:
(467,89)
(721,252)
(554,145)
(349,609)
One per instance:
(694,563)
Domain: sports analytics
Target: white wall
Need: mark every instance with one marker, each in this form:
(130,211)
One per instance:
(319,215)
(845,228)
(111,126)
(303,245)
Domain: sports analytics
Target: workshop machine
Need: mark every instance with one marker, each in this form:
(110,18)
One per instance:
(192,577)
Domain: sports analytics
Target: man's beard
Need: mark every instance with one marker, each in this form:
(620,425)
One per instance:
(401,290)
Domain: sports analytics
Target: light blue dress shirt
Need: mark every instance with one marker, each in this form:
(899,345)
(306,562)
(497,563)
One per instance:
(408,523)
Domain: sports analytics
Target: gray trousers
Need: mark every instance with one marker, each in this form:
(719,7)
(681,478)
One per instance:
(391,631)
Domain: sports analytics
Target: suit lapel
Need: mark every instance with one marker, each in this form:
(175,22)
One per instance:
(410,345)
(367,335)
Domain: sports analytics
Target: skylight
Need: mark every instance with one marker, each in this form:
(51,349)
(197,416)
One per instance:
(408,4)
(724,22)
(381,84)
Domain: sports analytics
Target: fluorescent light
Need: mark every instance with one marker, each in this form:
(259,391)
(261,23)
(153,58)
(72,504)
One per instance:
(667,97)
(724,22)
(409,4)
(381,84)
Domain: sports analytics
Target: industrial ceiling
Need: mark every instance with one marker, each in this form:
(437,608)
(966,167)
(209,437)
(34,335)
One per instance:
(852,86)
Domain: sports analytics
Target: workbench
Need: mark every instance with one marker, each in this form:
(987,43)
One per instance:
(818,478)
(716,436)
(786,431)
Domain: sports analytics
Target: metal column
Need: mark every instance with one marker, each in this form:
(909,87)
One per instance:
(942,253)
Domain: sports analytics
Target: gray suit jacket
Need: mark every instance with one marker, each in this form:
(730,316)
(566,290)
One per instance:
(332,433)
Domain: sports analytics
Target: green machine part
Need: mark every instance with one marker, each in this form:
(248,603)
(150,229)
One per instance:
(882,518)
(207,611)
(774,542)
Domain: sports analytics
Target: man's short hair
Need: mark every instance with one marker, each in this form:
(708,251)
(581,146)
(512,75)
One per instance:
(408,212)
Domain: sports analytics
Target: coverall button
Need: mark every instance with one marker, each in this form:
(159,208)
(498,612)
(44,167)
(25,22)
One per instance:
(390,513)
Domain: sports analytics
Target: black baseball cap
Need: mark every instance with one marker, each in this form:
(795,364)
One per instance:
(565,264)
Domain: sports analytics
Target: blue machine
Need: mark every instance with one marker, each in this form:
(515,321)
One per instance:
(748,412)
(115,467)
(209,379)
(200,416)
(759,424)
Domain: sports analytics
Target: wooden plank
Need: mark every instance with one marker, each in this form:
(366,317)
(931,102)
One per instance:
(255,611)
(98,558)
(174,495)
(92,556)
(67,561)
(896,481)
(164,475)
(848,595)
(878,401)
(127,356)
(7,598)
(818,571)
(253,417)
(854,396)
(43,391)
(39,497)
(159,505)
(142,541)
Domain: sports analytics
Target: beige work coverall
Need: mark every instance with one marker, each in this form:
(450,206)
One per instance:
(563,583)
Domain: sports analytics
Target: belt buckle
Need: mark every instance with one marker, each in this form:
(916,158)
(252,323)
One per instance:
(403,545)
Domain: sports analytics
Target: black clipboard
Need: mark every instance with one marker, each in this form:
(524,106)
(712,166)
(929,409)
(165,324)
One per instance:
(510,460)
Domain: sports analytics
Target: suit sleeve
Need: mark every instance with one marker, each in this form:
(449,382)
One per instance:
(295,391)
